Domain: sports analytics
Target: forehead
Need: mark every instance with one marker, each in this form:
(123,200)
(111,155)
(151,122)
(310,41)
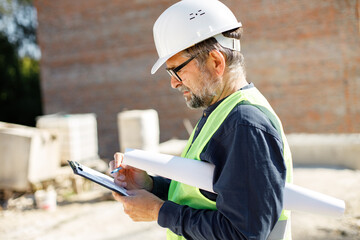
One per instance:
(175,60)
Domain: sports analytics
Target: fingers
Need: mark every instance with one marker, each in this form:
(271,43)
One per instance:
(118,197)
(120,180)
(140,205)
(112,165)
(118,158)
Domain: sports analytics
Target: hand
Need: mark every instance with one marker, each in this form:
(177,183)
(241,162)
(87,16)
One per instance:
(140,205)
(130,177)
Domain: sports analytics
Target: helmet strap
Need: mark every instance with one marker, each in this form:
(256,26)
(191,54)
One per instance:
(231,43)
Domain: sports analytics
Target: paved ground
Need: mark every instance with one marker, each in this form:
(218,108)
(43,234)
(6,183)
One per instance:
(94,216)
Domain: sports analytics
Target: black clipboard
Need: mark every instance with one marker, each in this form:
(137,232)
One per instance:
(96,177)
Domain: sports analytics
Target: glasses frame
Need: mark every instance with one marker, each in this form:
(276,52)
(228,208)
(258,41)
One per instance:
(173,71)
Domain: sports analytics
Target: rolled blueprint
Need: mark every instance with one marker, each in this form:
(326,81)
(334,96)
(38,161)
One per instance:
(200,174)
(195,173)
(305,200)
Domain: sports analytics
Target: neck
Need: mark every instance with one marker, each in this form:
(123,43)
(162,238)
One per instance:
(230,84)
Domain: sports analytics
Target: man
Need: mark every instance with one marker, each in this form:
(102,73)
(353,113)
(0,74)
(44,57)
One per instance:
(239,133)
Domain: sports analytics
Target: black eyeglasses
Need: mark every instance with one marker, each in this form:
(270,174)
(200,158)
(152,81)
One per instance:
(173,71)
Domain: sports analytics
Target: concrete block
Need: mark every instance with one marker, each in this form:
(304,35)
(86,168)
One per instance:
(341,150)
(27,155)
(139,129)
(77,134)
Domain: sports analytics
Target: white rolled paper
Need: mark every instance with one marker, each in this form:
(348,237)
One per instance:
(188,171)
(200,174)
(297,198)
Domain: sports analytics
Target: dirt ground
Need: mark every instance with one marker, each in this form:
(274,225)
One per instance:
(93,215)
(340,183)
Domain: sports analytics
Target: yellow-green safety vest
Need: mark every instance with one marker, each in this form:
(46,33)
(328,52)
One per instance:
(191,196)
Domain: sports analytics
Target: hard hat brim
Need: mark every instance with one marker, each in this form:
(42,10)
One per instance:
(160,62)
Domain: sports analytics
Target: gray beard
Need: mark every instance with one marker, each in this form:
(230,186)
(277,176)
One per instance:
(205,97)
(195,102)
(199,101)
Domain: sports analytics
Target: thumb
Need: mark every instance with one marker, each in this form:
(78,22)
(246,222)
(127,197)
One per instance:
(133,192)
(118,197)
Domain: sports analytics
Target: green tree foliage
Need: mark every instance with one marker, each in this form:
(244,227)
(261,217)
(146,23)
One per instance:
(20,95)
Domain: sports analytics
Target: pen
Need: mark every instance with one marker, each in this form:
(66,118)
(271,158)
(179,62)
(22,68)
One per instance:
(116,170)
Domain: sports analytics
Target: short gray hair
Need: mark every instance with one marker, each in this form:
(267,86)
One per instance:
(234,59)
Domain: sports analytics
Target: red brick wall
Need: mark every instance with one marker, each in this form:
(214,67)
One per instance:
(303,55)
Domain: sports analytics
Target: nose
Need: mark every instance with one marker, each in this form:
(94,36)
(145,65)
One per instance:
(174,82)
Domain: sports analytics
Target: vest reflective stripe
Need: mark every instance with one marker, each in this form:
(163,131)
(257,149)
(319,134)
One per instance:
(188,195)
(280,229)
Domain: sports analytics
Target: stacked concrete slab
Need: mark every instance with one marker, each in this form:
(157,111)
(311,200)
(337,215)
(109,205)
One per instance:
(139,129)
(77,134)
(27,156)
(337,150)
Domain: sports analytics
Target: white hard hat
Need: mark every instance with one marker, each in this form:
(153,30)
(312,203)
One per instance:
(189,22)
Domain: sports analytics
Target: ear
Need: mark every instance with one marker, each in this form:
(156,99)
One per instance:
(216,62)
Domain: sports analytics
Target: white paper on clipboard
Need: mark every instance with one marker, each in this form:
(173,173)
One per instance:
(96,177)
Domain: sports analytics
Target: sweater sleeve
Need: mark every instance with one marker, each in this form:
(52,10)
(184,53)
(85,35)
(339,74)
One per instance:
(249,178)
(160,187)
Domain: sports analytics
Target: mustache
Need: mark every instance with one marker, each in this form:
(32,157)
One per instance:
(183,88)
